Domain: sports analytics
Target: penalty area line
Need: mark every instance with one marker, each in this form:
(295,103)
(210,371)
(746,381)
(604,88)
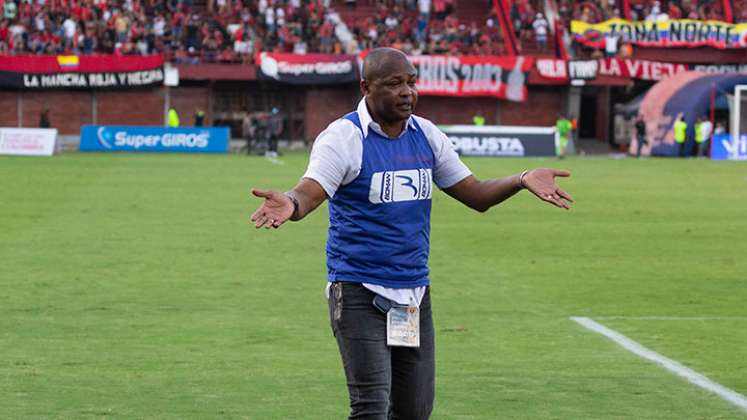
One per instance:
(673,366)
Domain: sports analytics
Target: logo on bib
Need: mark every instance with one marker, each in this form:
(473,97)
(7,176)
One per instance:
(395,186)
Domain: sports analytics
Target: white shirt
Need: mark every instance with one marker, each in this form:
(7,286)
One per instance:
(159,25)
(424,6)
(337,156)
(69,26)
(705,128)
(270,16)
(540,26)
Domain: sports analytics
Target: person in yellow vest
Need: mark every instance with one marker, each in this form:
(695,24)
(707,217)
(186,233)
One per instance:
(172,119)
(680,134)
(698,136)
(563,126)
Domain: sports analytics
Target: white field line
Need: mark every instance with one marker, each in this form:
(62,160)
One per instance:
(276,161)
(692,376)
(675,318)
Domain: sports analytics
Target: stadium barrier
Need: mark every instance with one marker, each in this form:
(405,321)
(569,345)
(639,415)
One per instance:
(102,138)
(28,141)
(725,148)
(487,140)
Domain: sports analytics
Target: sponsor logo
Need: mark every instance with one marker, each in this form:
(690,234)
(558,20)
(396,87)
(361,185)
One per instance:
(275,68)
(397,186)
(736,149)
(120,138)
(488,146)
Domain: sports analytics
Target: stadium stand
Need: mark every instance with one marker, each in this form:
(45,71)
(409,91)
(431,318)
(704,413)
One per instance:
(425,27)
(229,31)
(594,11)
(232,31)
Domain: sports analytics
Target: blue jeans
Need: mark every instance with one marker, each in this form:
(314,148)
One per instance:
(383,382)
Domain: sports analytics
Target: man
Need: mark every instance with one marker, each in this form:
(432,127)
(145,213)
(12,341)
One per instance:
(199,118)
(680,134)
(640,133)
(698,132)
(540,26)
(172,120)
(274,130)
(376,166)
(706,128)
(563,126)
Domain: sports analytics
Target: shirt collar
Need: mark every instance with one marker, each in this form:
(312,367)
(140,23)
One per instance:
(366,120)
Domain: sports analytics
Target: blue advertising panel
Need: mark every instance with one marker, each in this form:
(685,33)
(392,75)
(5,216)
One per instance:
(122,138)
(724,148)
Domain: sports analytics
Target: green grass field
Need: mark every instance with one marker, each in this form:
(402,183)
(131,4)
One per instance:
(133,286)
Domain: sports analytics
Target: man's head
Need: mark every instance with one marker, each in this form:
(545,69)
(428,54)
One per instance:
(389,83)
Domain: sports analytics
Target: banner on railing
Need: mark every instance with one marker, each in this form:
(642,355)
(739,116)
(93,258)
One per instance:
(666,33)
(80,72)
(726,148)
(307,69)
(561,70)
(500,77)
(28,141)
(472,140)
(101,138)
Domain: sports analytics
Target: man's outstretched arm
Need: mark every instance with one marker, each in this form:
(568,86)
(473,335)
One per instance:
(293,205)
(482,195)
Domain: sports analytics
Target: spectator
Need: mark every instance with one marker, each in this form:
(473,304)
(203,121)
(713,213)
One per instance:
(610,44)
(540,26)
(10,10)
(44,119)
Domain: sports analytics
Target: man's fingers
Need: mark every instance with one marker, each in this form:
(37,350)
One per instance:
(257,213)
(565,195)
(261,193)
(267,221)
(561,172)
(555,200)
(260,221)
(272,223)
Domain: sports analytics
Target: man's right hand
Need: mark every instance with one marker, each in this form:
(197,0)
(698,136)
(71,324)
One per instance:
(275,211)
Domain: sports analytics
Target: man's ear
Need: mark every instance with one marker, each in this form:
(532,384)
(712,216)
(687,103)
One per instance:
(364,87)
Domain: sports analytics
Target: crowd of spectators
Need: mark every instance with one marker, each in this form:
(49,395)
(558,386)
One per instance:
(594,11)
(219,30)
(530,24)
(233,30)
(426,27)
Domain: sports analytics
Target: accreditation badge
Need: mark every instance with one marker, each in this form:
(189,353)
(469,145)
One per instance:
(403,326)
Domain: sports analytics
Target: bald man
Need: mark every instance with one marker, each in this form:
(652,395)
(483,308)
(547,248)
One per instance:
(376,166)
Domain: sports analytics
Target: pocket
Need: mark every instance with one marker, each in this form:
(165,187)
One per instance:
(335,306)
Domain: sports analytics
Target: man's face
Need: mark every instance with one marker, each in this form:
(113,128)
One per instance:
(393,95)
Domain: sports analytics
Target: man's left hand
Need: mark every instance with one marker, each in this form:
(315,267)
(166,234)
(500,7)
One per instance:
(541,182)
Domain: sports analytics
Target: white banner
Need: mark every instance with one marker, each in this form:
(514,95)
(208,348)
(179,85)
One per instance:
(28,141)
